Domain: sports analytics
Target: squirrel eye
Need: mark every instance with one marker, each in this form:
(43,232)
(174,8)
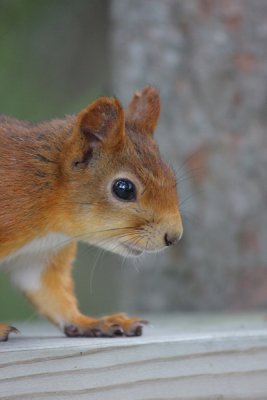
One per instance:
(124,189)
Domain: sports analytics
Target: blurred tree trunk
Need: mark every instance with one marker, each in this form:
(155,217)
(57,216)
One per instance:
(209,60)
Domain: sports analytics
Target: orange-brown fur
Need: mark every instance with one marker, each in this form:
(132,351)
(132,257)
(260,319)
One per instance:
(56,177)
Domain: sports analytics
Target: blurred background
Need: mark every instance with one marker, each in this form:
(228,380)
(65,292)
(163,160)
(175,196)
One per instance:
(208,58)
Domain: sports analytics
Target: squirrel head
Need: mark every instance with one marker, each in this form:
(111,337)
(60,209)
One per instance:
(122,195)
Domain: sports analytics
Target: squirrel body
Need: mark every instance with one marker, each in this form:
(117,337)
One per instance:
(97,177)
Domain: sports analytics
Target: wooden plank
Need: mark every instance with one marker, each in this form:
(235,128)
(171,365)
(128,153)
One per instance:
(180,357)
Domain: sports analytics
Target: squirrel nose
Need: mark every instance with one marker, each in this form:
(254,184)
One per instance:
(171,239)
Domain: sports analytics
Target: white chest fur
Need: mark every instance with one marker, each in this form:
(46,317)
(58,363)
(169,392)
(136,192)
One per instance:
(26,265)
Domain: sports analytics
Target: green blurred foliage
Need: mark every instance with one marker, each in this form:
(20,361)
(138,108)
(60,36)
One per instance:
(53,56)
(54,61)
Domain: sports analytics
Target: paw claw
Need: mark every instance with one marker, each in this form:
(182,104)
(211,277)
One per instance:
(143,322)
(116,330)
(71,331)
(14,330)
(138,331)
(95,332)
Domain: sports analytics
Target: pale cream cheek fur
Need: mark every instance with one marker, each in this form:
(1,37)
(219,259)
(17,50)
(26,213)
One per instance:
(26,265)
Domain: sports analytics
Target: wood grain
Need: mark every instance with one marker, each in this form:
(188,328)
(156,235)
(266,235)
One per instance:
(182,357)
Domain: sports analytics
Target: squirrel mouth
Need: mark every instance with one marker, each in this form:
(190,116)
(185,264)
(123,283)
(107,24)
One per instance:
(132,251)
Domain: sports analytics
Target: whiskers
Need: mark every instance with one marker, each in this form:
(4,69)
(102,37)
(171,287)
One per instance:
(93,236)
(133,260)
(132,236)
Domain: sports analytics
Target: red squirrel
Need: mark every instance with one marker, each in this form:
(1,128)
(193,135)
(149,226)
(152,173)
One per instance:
(96,177)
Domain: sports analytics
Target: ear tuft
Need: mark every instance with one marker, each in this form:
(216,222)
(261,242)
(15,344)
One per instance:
(144,110)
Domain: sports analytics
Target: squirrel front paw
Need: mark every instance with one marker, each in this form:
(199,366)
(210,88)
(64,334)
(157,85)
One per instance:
(5,330)
(116,325)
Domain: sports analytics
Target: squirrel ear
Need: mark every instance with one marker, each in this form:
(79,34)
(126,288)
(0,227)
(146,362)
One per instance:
(102,122)
(144,110)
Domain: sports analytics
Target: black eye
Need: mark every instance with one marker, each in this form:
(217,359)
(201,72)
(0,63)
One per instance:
(124,189)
